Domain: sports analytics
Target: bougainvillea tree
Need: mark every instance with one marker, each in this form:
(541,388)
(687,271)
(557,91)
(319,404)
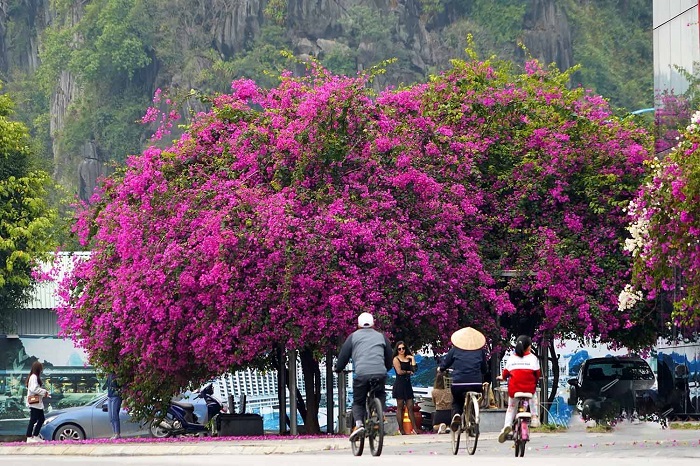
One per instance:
(670,117)
(665,233)
(554,171)
(282,214)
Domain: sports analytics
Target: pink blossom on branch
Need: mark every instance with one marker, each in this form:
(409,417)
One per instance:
(283,214)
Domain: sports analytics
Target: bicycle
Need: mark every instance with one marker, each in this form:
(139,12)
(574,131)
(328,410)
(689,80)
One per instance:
(469,424)
(521,422)
(374,424)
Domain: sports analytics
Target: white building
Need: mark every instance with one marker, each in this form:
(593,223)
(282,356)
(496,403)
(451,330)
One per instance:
(676,43)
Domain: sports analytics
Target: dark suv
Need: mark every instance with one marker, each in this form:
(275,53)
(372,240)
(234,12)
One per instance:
(632,374)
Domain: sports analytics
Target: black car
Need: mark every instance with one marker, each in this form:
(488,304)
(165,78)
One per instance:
(596,376)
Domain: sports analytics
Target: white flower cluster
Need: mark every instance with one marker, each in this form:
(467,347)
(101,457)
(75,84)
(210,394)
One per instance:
(639,230)
(628,298)
(694,121)
(695,118)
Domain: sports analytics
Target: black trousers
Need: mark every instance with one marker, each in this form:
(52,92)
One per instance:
(459,393)
(360,387)
(36,420)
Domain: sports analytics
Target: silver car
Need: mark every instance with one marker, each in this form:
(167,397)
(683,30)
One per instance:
(88,422)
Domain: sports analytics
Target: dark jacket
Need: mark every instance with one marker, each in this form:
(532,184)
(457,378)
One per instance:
(113,388)
(370,351)
(468,366)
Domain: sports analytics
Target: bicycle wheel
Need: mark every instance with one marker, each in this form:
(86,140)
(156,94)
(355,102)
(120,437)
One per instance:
(522,433)
(471,436)
(358,445)
(455,440)
(375,424)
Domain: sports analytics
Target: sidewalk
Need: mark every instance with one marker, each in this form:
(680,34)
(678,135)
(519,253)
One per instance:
(274,444)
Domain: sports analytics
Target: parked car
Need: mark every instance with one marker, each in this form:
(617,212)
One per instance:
(630,374)
(88,422)
(92,421)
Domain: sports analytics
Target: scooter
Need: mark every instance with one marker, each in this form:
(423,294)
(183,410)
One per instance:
(180,419)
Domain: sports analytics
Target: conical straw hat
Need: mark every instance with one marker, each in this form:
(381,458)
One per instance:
(468,338)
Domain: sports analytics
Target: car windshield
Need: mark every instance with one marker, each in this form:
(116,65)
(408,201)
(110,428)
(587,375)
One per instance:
(625,370)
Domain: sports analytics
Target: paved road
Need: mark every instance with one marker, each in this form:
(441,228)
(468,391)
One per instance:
(627,441)
(642,444)
(311,460)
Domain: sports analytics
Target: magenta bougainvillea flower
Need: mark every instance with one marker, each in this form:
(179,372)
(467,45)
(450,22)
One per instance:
(665,233)
(282,214)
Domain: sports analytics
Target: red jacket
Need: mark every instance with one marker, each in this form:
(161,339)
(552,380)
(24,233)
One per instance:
(524,372)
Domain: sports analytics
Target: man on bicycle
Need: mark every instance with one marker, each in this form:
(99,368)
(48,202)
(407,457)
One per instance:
(467,357)
(371,356)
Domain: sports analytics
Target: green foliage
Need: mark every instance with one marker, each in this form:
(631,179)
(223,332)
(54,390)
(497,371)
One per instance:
(548,429)
(25,218)
(55,54)
(276,11)
(693,91)
(32,110)
(365,24)
(431,7)
(684,426)
(501,19)
(613,43)
(111,124)
(370,36)
(262,63)
(111,34)
(341,61)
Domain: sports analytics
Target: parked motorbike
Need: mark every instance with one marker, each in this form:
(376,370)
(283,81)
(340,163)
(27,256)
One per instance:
(180,419)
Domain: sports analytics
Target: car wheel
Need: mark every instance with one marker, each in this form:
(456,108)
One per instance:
(69,432)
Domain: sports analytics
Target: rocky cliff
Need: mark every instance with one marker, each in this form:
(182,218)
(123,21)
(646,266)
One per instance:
(207,31)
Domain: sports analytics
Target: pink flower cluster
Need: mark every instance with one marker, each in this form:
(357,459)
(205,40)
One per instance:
(666,229)
(283,214)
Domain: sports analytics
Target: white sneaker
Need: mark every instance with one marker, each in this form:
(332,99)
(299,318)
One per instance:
(31,440)
(39,440)
(442,429)
(504,433)
(356,432)
(456,422)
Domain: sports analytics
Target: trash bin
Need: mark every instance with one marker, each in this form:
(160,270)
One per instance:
(230,425)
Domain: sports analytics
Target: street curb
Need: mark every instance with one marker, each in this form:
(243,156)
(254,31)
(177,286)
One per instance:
(224,447)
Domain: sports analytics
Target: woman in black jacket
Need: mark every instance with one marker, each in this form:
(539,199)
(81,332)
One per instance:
(467,358)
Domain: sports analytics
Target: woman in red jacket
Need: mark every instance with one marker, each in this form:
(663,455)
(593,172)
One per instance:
(522,372)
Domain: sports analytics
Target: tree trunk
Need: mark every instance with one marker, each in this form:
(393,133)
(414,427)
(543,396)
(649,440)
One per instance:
(301,407)
(554,357)
(312,384)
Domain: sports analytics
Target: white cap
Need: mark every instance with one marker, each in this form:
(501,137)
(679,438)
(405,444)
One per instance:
(365,320)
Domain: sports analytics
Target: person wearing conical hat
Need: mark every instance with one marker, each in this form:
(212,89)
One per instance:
(467,358)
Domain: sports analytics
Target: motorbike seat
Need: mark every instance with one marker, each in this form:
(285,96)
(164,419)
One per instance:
(522,395)
(185,406)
